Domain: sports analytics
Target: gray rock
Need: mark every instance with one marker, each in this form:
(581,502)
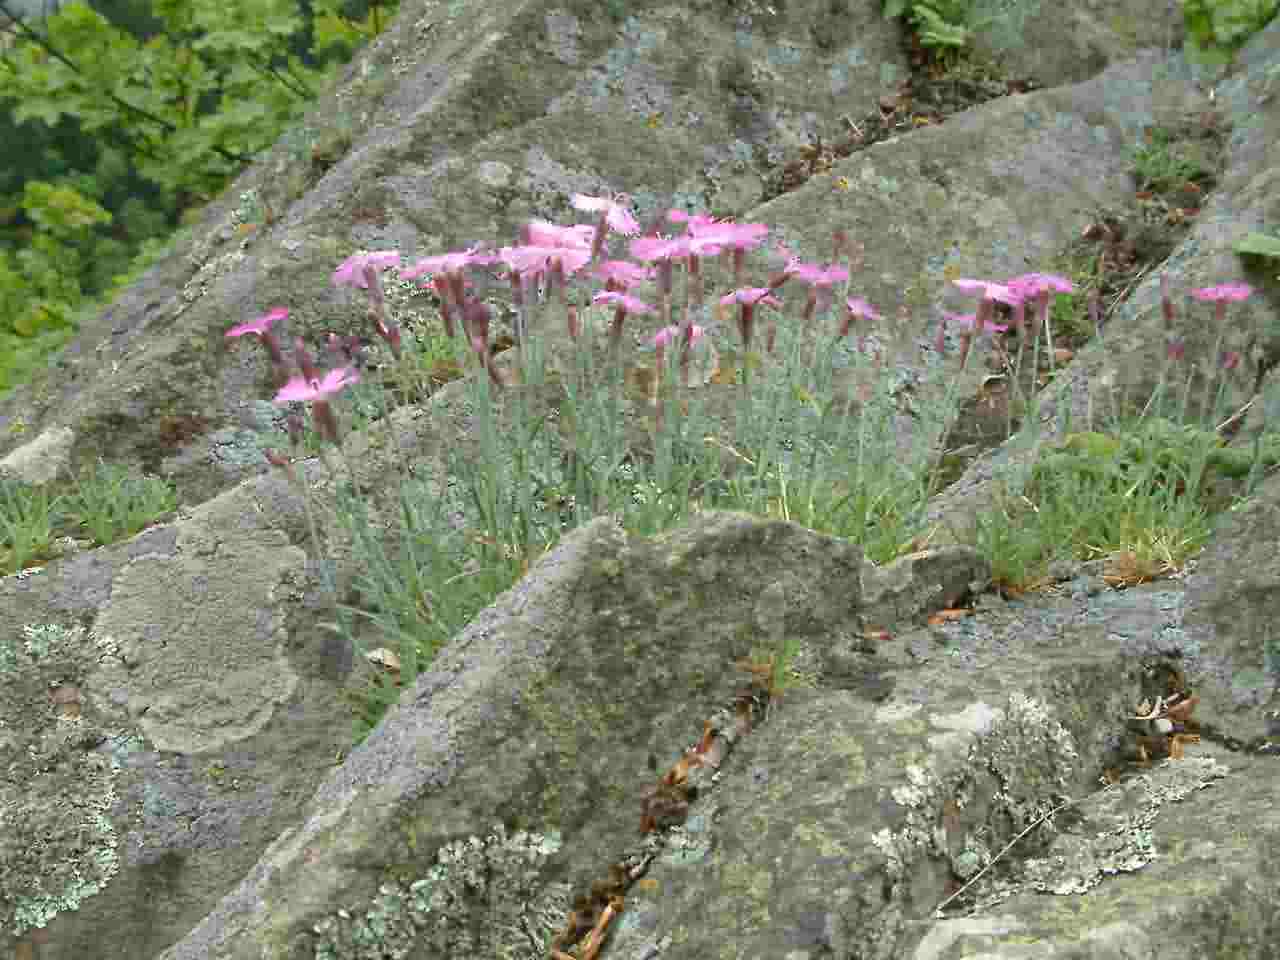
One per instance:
(173,728)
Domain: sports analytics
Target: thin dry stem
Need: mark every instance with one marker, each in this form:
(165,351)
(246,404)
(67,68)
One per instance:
(1007,847)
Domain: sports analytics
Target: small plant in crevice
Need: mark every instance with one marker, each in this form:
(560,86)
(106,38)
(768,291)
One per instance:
(103,505)
(27,522)
(938,23)
(111,504)
(1141,493)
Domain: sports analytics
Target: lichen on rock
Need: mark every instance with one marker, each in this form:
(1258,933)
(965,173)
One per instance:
(1124,840)
(495,876)
(58,844)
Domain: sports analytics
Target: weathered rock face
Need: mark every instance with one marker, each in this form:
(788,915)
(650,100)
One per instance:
(174,723)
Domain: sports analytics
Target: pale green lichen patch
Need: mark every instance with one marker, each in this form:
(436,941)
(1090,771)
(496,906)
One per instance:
(1031,757)
(1125,841)
(58,845)
(492,877)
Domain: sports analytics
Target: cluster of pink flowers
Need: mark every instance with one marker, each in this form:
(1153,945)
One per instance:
(551,253)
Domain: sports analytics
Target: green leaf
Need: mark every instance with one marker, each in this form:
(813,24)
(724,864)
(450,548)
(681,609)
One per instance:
(1258,245)
(61,209)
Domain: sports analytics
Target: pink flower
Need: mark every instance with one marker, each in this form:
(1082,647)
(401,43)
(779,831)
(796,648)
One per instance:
(751,296)
(622,300)
(616,214)
(1221,295)
(659,248)
(819,276)
(1030,285)
(748,297)
(623,304)
(299,388)
(362,270)
(318,392)
(352,270)
(856,307)
(666,334)
(534,260)
(990,293)
(691,221)
(623,273)
(1035,288)
(1224,292)
(707,238)
(820,280)
(988,290)
(261,324)
(860,308)
(448,263)
(261,327)
(540,233)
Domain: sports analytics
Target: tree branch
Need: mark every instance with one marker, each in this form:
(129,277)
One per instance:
(138,111)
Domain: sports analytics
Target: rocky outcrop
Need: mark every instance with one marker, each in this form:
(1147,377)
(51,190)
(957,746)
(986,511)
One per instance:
(174,726)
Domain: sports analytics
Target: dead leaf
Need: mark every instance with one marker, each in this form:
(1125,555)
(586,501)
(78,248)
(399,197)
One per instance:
(67,699)
(725,375)
(1181,712)
(641,379)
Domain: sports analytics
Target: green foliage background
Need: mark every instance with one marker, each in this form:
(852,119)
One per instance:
(1216,29)
(121,119)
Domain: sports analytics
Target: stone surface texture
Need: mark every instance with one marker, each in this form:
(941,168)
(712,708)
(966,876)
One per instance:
(173,728)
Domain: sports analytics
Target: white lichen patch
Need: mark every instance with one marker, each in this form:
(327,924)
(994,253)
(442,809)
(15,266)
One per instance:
(916,790)
(483,898)
(1030,754)
(1126,841)
(203,248)
(208,274)
(1033,756)
(919,797)
(58,845)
